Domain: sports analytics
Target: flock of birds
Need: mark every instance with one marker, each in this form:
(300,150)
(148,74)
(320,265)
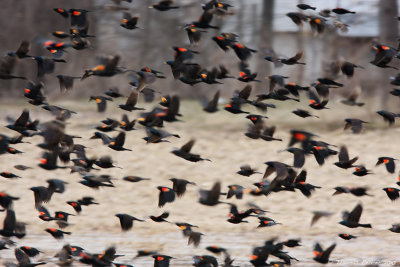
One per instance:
(57,145)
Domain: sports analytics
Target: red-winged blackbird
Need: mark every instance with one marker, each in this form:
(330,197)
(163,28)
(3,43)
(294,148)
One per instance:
(6,200)
(184,152)
(216,249)
(293,60)
(297,18)
(351,219)
(266,222)
(179,185)
(161,218)
(105,162)
(234,107)
(107,67)
(78,17)
(113,92)
(204,260)
(41,194)
(346,236)
(303,113)
(242,51)
(359,191)
(329,82)
(225,41)
(30,251)
(344,160)
(315,101)
(135,179)
(46,65)
(389,163)
(291,243)
(22,167)
(204,21)
(356,125)
(166,195)
(7,65)
(57,234)
(161,260)
(322,256)
(388,116)
(246,170)
(298,156)
(75,205)
(96,182)
(22,50)
(118,142)
(348,68)
(164,5)
(101,102)
(341,11)
(210,197)
(194,238)
(212,105)
(392,193)
(23,259)
(35,93)
(9,175)
(305,7)
(86,201)
(395,92)
(145,252)
(11,227)
(66,82)
(44,214)
(360,170)
(157,136)
(61,218)
(276,80)
(383,56)
(126,221)
(236,217)
(317,24)
(235,190)
(395,228)
(300,183)
(319,214)
(245,74)
(194,34)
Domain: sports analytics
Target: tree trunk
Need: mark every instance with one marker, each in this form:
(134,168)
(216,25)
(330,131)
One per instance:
(388,31)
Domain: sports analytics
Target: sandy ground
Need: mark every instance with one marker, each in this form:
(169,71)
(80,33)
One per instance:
(219,137)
